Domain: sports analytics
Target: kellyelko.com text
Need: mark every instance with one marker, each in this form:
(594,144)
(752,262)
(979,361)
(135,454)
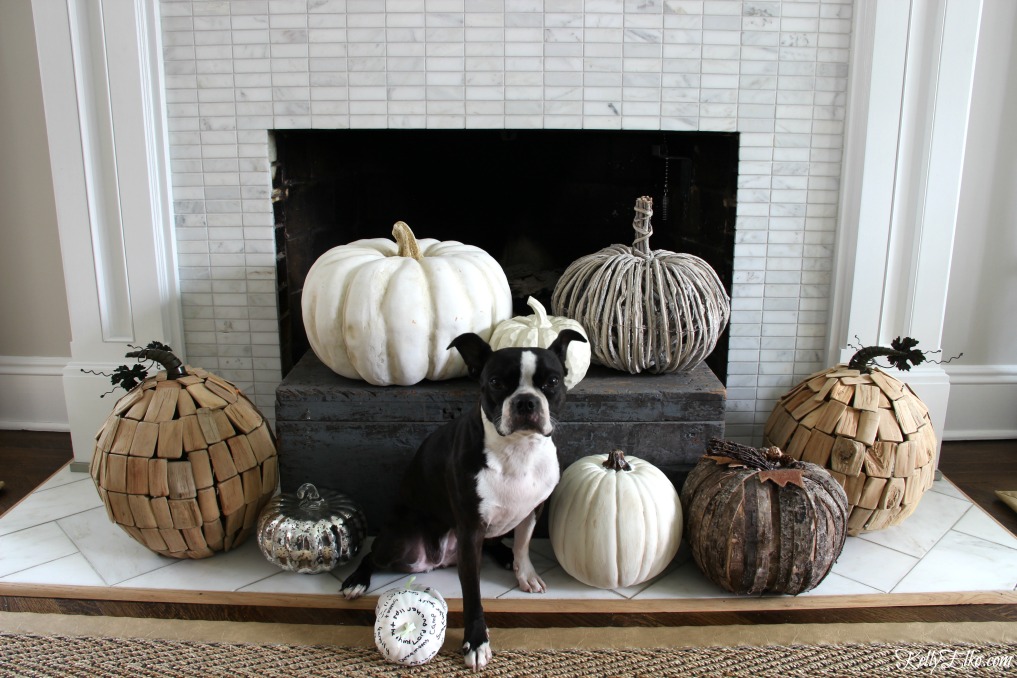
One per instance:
(952,660)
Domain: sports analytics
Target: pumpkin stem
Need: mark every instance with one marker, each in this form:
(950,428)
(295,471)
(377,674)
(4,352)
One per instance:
(407,242)
(406,630)
(174,368)
(764,458)
(539,311)
(641,225)
(309,498)
(616,461)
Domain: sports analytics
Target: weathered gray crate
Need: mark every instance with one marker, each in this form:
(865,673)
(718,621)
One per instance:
(357,438)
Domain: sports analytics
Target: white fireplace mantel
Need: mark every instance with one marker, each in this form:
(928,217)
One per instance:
(100,70)
(911,71)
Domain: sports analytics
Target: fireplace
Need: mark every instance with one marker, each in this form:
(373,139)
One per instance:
(534,199)
(191,169)
(771,76)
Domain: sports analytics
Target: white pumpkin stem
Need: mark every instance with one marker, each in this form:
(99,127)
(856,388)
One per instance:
(539,311)
(406,631)
(406,241)
(642,227)
(616,461)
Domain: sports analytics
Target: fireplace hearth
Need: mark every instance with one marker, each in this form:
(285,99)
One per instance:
(536,200)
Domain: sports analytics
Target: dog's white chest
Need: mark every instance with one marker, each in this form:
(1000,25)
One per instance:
(520,474)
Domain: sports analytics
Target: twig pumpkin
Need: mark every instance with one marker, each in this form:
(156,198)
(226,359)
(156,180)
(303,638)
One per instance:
(758,520)
(385,311)
(614,521)
(541,330)
(645,310)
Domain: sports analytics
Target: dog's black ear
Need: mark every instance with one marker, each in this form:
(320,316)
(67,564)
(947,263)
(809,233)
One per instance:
(474,350)
(560,346)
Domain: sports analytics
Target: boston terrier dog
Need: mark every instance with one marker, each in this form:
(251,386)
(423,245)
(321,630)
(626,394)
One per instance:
(477,478)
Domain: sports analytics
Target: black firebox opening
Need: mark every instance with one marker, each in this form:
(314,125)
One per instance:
(536,200)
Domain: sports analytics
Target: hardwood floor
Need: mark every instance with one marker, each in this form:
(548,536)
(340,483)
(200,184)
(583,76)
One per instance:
(978,468)
(27,458)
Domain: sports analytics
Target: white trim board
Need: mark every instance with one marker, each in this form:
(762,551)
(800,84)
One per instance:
(983,402)
(32,393)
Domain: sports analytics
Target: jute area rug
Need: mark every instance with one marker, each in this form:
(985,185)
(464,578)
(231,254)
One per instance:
(48,655)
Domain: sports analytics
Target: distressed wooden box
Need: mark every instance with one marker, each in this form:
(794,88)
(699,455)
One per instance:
(357,438)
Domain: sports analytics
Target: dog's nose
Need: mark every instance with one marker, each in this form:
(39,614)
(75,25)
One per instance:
(526,405)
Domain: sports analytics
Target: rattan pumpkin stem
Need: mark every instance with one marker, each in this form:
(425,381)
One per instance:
(616,461)
(408,246)
(763,458)
(174,368)
(641,225)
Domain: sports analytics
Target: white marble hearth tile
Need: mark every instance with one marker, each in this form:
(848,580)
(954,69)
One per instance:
(945,486)
(562,585)
(229,571)
(836,585)
(33,546)
(110,550)
(44,506)
(961,562)
(978,523)
(300,584)
(873,564)
(72,570)
(64,476)
(685,581)
(935,515)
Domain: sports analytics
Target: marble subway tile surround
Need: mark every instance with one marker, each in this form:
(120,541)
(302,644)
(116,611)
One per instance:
(775,71)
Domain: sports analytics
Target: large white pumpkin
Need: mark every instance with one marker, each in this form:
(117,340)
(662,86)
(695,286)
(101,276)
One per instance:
(385,311)
(541,330)
(614,521)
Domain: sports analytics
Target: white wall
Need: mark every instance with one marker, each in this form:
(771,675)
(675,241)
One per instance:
(982,304)
(34,330)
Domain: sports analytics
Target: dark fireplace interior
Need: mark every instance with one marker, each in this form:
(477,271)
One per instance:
(536,200)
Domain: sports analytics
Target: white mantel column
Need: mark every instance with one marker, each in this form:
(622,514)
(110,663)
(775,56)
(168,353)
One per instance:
(102,92)
(909,102)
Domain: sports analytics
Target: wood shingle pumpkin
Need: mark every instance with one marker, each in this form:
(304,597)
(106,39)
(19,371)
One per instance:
(185,462)
(869,429)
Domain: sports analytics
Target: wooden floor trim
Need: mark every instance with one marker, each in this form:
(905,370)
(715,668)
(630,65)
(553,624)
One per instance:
(533,605)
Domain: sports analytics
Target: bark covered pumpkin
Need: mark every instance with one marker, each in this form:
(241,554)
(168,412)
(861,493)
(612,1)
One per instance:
(759,521)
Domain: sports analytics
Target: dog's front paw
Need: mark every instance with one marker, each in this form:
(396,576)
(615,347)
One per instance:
(353,592)
(477,649)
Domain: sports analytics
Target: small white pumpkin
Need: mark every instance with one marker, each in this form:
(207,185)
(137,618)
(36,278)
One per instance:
(409,626)
(614,522)
(541,330)
(385,311)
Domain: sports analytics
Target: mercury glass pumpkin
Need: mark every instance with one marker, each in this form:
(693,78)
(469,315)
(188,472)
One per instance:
(312,531)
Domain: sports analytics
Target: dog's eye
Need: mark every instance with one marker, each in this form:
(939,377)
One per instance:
(495,383)
(551,383)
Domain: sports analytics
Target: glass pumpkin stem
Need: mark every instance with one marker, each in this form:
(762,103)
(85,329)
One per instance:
(309,498)
(641,225)
(616,461)
(407,242)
